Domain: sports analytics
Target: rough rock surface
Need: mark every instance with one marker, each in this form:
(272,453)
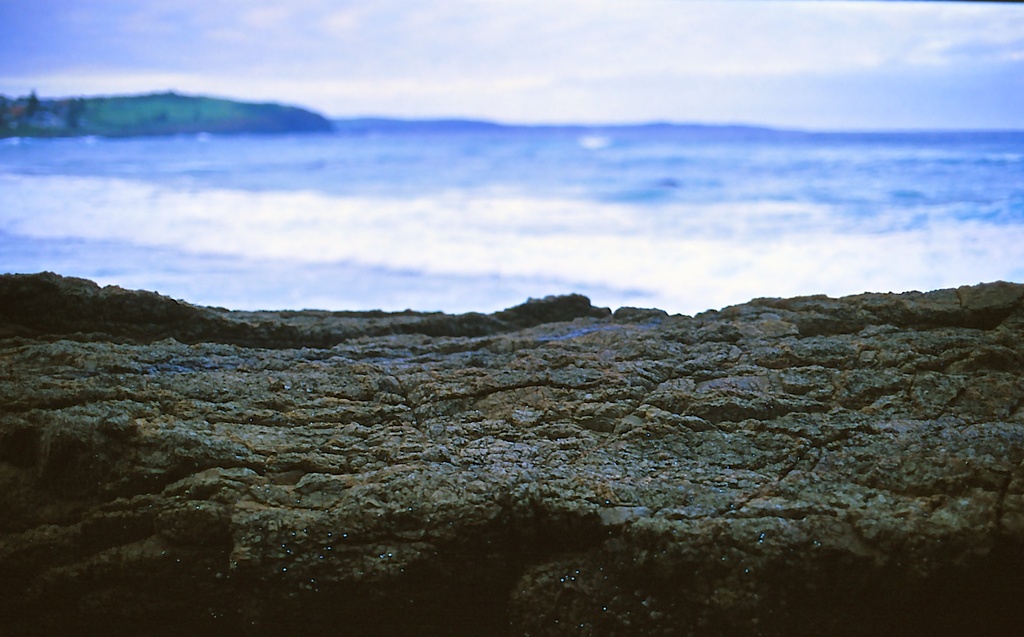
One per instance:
(810,466)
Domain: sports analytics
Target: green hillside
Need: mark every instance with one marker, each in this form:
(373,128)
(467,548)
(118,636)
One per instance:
(154,114)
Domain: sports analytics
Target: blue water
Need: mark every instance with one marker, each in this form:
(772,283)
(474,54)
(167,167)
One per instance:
(460,217)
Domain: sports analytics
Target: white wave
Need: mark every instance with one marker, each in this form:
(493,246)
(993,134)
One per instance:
(683,258)
(594,142)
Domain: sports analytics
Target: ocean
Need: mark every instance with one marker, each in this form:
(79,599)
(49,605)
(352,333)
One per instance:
(463,216)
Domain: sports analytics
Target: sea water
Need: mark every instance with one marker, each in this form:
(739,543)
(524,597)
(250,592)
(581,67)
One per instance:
(466,217)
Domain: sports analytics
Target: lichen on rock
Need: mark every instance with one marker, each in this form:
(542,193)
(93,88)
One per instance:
(849,466)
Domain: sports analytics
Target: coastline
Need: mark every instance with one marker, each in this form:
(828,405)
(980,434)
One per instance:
(153,114)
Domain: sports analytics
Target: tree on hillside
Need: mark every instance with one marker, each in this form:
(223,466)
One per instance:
(75,109)
(32,106)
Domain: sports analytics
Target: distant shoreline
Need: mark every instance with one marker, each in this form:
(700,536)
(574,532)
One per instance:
(442,125)
(171,113)
(151,114)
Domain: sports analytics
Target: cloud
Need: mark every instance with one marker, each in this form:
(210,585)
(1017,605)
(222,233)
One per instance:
(573,38)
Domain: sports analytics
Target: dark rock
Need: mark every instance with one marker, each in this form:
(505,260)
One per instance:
(48,306)
(551,309)
(805,466)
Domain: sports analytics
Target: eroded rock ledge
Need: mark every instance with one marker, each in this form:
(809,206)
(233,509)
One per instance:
(806,466)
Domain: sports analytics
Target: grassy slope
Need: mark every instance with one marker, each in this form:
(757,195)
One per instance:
(170,113)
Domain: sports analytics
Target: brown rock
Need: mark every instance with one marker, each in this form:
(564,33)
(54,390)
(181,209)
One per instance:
(806,466)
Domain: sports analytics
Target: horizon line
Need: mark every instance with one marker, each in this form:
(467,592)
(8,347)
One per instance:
(484,121)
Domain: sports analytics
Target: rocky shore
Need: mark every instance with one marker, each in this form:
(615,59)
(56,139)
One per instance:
(807,466)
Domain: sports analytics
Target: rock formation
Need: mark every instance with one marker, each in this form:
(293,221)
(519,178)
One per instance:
(809,466)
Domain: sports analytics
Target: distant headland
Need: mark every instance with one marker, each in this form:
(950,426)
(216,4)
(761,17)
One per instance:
(151,114)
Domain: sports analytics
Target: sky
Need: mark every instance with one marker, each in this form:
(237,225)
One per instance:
(812,65)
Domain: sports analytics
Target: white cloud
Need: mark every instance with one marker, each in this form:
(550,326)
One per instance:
(267,17)
(342,22)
